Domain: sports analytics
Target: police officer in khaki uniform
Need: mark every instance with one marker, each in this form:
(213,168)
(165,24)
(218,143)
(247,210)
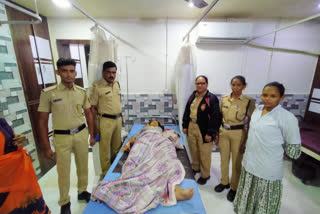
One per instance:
(69,106)
(106,106)
(201,122)
(236,110)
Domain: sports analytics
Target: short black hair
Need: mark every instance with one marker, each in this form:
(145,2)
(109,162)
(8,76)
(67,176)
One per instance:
(204,77)
(241,78)
(108,64)
(278,85)
(161,126)
(63,62)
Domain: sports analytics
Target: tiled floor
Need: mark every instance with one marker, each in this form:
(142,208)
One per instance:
(297,197)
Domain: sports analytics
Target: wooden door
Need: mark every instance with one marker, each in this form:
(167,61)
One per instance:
(64,51)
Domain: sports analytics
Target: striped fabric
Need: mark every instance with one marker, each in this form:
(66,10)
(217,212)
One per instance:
(148,176)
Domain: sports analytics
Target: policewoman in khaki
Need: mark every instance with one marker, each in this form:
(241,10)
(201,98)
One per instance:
(69,106)
(201,122)
(236,111)
(106,106)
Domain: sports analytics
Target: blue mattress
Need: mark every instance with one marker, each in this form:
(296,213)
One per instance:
(194,205)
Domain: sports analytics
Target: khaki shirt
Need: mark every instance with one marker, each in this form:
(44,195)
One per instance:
(66,105)
(234,110)
(194,106)
(106,97)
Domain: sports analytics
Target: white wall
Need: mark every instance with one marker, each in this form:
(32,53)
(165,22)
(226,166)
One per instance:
(220,62)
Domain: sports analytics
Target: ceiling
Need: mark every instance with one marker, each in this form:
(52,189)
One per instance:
(179,9)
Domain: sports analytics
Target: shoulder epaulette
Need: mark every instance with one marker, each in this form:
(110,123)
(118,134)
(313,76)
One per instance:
(78,87)
(49,88)
(249,98)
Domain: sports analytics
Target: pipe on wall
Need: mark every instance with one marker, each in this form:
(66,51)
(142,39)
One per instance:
(17,7)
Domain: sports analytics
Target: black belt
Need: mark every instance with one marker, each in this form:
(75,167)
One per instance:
(237,127)
(111,116)
(71,131)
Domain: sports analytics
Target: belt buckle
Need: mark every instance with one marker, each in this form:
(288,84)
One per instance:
(226,126)
(74,131)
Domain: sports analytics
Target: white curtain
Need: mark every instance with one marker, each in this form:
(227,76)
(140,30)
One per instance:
(102,49)
(186,69)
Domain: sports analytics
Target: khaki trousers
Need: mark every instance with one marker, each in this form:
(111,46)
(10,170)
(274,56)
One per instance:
(229,143)
(64,145)
(200,152)
(110,142)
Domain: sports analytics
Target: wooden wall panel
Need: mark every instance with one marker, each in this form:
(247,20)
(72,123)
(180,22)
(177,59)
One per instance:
(20,37)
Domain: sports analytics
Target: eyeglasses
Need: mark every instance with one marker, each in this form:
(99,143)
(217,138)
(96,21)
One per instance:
(201,83)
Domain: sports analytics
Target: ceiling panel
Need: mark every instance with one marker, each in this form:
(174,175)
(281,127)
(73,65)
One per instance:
(180,8)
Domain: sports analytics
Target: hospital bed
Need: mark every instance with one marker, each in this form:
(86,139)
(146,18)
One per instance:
(194,205)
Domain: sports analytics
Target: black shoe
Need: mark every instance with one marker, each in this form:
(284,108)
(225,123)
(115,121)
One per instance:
(221,187)
(202,180)
(231,195)
(195,172)
(65,209)
(84,196)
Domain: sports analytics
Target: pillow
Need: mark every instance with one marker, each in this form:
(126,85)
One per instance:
(173,136)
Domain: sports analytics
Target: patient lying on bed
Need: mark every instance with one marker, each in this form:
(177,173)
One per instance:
(150,175)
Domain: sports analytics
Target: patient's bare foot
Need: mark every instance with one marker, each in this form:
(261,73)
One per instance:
(183,194)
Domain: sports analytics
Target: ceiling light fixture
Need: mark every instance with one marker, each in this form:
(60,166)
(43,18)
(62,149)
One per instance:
(62,3)
(319,5)
(197,3)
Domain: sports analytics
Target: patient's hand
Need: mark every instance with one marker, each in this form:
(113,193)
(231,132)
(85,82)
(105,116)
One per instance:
(126,147)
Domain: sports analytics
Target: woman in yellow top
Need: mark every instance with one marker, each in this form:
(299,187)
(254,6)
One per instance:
(236,111)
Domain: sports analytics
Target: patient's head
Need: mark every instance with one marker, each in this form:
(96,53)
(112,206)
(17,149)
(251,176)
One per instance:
(155,123)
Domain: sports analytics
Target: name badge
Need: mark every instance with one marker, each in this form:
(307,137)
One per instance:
(203,107)
(57,100)
(225,107)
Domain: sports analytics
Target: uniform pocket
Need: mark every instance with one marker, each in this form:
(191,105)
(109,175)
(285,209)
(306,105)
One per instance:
(105,97)
(240,115)
(58,105)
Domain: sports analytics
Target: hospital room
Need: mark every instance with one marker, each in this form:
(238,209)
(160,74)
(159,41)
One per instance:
(159,106)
